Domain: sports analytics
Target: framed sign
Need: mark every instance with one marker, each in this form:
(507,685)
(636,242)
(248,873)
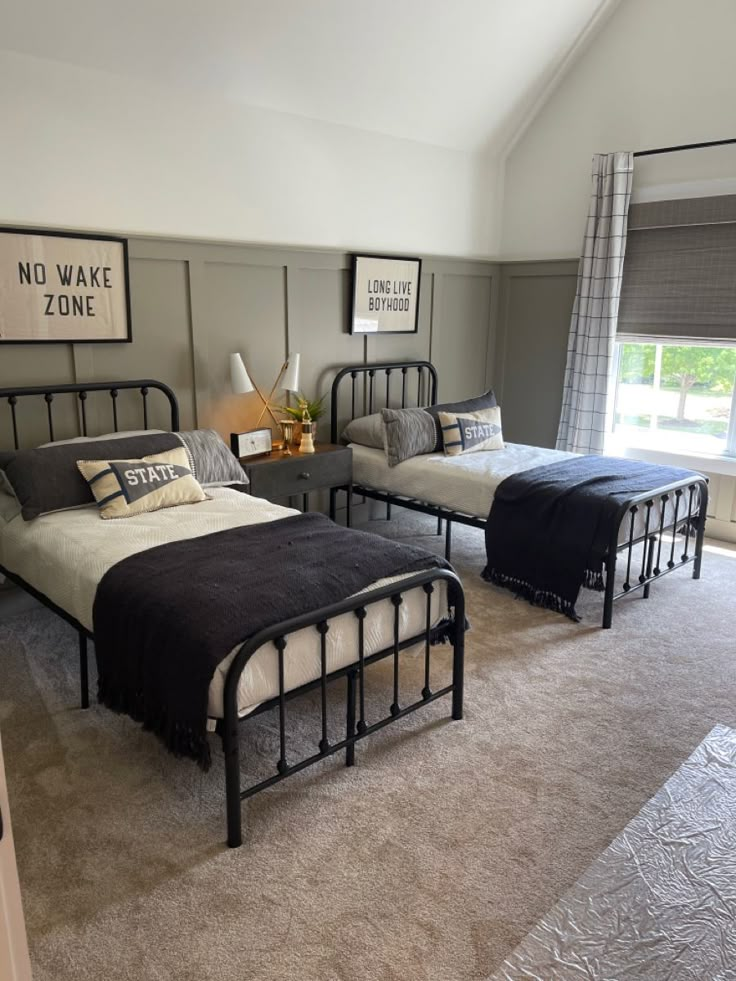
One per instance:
(385,295)
(63,287)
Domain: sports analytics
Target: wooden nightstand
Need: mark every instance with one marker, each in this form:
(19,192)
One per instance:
(277,476)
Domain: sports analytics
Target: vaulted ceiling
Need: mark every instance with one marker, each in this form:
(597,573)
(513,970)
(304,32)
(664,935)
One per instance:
(455,73)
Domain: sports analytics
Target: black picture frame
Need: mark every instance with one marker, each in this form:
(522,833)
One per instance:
(127,338)
(389,269)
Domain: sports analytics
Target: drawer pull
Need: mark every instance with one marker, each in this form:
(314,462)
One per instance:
(304,475)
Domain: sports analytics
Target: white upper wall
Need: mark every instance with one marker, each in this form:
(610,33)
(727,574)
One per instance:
(445,73)
(91,150)
(660,73)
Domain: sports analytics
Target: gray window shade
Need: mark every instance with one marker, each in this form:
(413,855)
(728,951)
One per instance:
(679,277)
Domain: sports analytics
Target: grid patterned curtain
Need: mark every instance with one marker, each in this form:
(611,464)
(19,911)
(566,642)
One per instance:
(595,311)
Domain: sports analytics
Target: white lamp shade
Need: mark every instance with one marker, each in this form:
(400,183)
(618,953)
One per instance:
(291,376)
(239,377)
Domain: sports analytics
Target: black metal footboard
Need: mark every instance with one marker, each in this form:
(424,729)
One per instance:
(357,725)
(665,541)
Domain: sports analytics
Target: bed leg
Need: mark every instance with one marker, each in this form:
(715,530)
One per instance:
(458,657)
(83,670)
(439,525)
(350,718)
(700,533)
(333,499)
(650,563)
(610,584)
(388,510)
(232,783)
(448,539)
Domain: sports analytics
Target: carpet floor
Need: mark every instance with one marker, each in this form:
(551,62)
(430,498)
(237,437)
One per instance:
(430,859)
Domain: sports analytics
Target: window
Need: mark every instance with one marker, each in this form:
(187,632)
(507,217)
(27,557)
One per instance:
(675,396)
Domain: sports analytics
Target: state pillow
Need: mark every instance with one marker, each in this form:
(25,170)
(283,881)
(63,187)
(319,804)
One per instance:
(470,432)
(485,401)
(123,488)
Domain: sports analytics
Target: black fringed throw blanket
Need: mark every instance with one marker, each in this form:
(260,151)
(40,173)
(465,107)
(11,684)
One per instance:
(165,618)
(549,527)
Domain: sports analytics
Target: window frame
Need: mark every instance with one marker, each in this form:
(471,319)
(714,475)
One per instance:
(729,453)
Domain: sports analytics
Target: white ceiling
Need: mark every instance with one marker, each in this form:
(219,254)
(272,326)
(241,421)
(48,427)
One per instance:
(456,73)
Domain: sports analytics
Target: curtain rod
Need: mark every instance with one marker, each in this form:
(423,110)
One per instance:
(684,146)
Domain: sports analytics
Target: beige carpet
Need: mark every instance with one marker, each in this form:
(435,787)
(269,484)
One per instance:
(430,859)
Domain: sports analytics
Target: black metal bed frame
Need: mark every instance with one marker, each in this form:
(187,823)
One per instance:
(357,726)
(368,393)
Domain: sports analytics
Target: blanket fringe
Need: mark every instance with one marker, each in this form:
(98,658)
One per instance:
(593,579)
(180,738)
(445,631)
(532,594)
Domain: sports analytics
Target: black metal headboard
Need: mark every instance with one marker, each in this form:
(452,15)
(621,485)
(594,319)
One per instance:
(374,393)
(82,390)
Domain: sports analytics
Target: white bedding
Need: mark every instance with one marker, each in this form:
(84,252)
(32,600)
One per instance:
(467,483)
(464,483)
(65,555)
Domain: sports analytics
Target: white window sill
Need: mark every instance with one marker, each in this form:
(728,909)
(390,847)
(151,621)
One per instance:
(705,462)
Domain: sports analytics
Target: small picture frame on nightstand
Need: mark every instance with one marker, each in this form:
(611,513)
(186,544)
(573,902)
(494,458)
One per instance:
(255,442)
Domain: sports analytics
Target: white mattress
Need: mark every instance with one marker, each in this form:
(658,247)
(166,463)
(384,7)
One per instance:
(65,555)
(467,483)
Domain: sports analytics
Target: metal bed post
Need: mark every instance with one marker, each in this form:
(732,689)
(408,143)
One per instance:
(700,534)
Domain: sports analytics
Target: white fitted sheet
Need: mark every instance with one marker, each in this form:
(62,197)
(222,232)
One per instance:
(65,555)
(467,483)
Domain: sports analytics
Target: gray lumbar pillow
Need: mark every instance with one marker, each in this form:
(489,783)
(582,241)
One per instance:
(365,430)
(46,479)
(409,432)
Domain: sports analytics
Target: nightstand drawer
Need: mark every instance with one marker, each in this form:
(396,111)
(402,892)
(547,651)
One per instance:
(298,474)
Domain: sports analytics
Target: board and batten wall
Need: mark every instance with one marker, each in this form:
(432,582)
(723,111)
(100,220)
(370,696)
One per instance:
(535,303)
(194,302)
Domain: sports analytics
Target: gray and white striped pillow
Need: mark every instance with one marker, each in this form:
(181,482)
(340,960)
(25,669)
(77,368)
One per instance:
(213,463)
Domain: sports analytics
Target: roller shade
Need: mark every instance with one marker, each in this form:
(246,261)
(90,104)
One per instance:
(679,276)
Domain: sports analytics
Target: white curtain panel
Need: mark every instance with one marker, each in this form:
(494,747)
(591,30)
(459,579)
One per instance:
(595,312)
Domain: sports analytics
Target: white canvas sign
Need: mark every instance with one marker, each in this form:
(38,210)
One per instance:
(63,287)
(385,295)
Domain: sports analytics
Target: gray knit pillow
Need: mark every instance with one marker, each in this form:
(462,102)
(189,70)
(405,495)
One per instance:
(409,432)
(213,463)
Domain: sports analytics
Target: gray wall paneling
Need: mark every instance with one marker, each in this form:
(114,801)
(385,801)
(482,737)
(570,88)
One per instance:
(193,303)
(535,305)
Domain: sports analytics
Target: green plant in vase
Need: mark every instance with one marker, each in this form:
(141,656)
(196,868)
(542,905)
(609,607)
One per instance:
(314,410)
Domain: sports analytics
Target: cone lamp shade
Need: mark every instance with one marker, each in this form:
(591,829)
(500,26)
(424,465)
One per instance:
(291,375)
(239,377)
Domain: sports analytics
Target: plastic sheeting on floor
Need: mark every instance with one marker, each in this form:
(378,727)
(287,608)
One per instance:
(660,902)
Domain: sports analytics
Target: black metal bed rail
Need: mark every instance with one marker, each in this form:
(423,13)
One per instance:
(688,516)
(371,399)
(357,726)
(423,507)
(82,390)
